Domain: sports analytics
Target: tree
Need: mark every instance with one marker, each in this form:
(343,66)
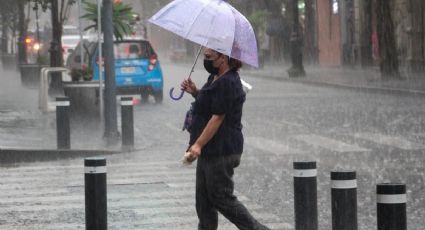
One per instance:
(60,10)
(22,28)
(297,68)
(9,21)
(366,33)
(122,17)
(4,27)
(310,49)
(386,40)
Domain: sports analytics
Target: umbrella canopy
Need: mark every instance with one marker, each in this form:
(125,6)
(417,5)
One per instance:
(211,23)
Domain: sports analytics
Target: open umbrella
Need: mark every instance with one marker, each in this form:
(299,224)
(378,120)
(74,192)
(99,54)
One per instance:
(211,23)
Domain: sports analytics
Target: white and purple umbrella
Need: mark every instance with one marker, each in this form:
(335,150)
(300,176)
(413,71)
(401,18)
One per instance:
(211,23)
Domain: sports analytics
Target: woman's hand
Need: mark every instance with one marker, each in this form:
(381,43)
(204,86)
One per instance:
(189,86)
(194,152)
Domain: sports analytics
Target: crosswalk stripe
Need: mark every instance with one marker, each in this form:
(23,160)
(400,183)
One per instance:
(225,226)
(79,170)
(55,191)
(328,143)
(111,175)
(392,141)
(183,218)
(50,167)
(268,145)
(119,204)
(130,226)
(111,196)
(170,181)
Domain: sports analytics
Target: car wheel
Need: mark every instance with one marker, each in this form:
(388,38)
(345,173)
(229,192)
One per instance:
(145,97)
(159,96)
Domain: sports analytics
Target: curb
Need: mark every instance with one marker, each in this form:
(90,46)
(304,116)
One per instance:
(366,89)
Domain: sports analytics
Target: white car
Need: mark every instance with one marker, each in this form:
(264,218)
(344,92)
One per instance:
(69,42)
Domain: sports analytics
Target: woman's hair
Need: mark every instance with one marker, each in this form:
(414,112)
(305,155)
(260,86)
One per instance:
(234,64)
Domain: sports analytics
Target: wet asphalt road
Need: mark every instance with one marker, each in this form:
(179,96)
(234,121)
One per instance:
(382,137)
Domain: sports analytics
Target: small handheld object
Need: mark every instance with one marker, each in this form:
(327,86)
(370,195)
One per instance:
(185,159)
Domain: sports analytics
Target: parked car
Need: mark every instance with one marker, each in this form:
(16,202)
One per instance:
(137,68)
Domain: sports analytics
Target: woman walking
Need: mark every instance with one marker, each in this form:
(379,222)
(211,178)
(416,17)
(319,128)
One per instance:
(216,140)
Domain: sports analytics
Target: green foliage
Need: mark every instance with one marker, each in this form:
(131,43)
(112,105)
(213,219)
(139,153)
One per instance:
(81,74)
(45,3)
(9,12)
(43,60)
(258,19)
(122,16)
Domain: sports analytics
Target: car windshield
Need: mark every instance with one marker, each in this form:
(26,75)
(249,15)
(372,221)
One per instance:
(132,50)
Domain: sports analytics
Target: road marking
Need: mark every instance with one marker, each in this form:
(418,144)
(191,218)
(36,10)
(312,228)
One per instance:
(126,225)
(392,141)
(328,143)
(47,194)
(269,145)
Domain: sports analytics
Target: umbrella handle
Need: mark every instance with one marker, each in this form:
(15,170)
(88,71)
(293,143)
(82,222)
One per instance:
(176,98)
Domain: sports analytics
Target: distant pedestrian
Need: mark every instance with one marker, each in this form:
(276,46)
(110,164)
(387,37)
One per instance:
(216,140)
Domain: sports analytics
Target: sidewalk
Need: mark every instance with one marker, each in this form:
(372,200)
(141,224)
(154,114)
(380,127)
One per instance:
(27,134)
(354,78)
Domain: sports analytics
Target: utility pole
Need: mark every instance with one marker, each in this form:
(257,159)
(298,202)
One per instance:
(111,127)
(297,68)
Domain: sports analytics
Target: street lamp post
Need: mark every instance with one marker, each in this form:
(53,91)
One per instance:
(100,61)
(297,68)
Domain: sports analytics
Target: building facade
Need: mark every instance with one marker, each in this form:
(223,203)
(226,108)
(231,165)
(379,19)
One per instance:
(347,33)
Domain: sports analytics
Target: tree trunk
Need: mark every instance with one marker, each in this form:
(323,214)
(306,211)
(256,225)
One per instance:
(386,40)
(22,47)
(310,48)
(366,33)
(297,68)
(347,31)
(415,51)
(4,31)
(55,48)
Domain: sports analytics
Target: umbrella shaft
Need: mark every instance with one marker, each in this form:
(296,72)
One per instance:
(194,63)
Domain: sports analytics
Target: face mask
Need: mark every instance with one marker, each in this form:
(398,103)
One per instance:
(209,67)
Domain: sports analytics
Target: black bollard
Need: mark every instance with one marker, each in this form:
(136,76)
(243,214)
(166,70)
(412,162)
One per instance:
(305,195)
(127,128)
(63,133)
(391,205)
(344,200)
(95,193)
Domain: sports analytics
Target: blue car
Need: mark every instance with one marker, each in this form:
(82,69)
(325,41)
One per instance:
(137,69)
